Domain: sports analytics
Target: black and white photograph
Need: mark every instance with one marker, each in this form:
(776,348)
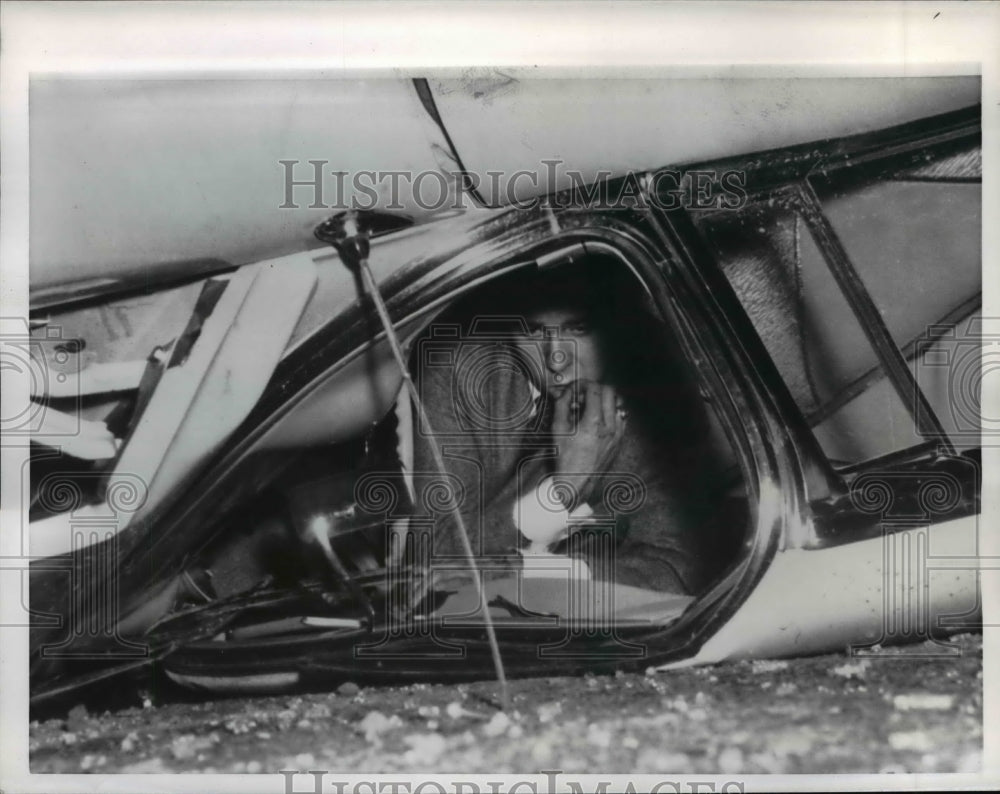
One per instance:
(558,429)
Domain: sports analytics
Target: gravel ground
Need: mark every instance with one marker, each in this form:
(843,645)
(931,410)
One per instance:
(826,714)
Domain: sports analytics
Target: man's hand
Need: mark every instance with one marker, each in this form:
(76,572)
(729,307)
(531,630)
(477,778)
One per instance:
(588,425)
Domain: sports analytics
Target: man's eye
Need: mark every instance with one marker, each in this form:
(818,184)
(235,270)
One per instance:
(577,329)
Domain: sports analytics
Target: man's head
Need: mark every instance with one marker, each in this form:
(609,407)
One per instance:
(563,343)
(564,325)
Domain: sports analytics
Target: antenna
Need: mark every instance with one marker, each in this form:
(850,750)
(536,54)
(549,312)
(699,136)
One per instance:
(350,233)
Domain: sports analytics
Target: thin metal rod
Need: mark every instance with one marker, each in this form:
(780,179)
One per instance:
(844,273)
(397,352)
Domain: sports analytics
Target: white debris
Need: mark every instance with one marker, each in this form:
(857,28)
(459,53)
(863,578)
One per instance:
(318,711)
(285,718)
(677,704)
(768,665)
(183,747)
(515,732)
(376,723)
(929,761)
(240,724)
(425,748)
(598,735)
(769,762)
(923,702)
(149,766)
(304,760)
(851,669)
(547,711)
(254,767)
(129,742)
(910,740)
(456,711)
(650,760)
(188,745)
(498,724)
(791,743)
(731,761)
(971,763)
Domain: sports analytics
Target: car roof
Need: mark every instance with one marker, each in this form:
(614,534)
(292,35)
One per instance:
(153,179)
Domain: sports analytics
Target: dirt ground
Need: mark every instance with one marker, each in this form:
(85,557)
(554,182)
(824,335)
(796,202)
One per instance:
(828,714)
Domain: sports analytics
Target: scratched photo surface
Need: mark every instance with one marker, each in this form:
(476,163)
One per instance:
(490,421)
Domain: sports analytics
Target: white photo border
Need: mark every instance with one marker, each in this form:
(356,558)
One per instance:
(731,39)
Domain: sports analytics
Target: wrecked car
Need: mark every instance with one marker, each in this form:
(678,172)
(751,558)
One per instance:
(254,370)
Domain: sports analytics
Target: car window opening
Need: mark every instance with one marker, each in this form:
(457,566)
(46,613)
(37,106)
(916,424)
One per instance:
(662,520)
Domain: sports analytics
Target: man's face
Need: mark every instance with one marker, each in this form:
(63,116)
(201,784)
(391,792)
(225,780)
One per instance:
(564,345)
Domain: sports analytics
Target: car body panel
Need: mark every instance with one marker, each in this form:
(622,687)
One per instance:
(893,589)
(606,127)
(189,169)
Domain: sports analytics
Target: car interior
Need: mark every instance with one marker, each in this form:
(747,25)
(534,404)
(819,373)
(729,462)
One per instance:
(360,493)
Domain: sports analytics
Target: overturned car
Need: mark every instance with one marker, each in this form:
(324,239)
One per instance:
(239,473)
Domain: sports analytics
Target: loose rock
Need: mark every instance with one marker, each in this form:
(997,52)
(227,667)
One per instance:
(376,723)
(851,669)
(731,761)
(497,725)
(76,720)
(910,740)
(916,702)
(424,747)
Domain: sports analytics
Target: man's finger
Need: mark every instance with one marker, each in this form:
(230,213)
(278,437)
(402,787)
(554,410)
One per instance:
(593,412)
(560,412)
(608,407)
